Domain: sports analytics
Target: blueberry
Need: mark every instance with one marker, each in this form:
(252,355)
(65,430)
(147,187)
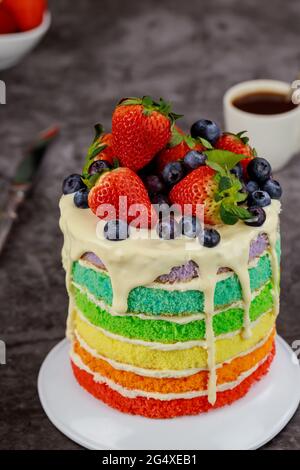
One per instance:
(259,169)
(72,183)
(153,184)
(210,237)
(168,228)
(258,217)
(115,230)
(273,188)
(251,186)
(237,171)
(259,198)
(81,198)
(190,226)
(161,203)
(194,159)
(98,166)
(209,130)
(172,173)
(159,199)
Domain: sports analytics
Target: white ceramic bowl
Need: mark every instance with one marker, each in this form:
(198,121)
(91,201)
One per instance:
(13,47)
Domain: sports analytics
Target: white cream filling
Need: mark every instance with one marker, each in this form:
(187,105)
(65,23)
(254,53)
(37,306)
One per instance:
(178,346)
(133,393)
(179,319)
(163,373)
(192,284)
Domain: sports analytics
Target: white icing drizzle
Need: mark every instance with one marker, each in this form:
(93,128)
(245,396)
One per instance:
(159,373)
(139,261)
(192,284)
(181,345)
(179,319)
(134,393)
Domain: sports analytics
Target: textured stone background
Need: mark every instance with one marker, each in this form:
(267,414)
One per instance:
(96,52)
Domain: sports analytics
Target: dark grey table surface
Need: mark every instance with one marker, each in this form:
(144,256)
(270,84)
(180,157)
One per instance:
(96,52)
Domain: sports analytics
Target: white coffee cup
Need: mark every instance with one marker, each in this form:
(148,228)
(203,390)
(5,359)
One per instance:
(274,136)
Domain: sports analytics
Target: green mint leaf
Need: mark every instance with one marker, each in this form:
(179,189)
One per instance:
(238,211)
(205,143)
(226,216)
(218,197)
(189,141)
(215,166)
(241,197)
(224,183)
(224,158)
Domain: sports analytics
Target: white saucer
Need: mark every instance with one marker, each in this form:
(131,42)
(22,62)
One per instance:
(247,424)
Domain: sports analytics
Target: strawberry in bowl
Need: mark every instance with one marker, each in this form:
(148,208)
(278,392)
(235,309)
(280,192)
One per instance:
(23,23)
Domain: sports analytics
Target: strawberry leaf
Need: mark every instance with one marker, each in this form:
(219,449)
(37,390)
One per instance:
(147,101)
(176,138)
(116,163)
(90,180)
(149,105)
(99,130)
(93,151)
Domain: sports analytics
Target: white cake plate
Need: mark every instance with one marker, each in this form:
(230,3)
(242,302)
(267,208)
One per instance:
(247,424)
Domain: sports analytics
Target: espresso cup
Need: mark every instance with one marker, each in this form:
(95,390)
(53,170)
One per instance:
(274,136)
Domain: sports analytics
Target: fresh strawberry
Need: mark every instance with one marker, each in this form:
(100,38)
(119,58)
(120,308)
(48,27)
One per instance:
(171,152)
(198,187)
(237,143)
(8,24)
(215,188)
(110,186)
(141,127)
(28,14)
(100,149)
(107,153)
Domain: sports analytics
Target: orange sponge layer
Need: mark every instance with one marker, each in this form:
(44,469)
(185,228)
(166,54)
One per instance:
(152,408)
(227,373)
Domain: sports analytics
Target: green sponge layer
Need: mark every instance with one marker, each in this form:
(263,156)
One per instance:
(158,301)
(169,332)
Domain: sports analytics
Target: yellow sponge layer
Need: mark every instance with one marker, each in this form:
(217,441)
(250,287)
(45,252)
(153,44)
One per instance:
(196,357)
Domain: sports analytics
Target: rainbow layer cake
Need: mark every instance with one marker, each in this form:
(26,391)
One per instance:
(172,253)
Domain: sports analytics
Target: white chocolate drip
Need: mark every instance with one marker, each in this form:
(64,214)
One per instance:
(139,261)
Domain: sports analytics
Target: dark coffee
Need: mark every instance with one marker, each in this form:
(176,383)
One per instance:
(264,102)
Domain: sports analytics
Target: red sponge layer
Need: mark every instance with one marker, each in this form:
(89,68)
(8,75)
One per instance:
(152,408)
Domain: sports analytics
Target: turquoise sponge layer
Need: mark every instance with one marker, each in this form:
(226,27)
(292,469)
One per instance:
(168,332)
(158,301)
